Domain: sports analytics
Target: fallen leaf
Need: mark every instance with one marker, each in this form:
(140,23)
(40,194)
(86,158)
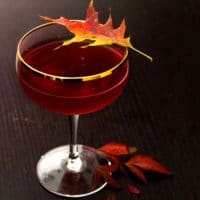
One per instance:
(115,160)
(133,190)
(137,172)
(147,163)
(117,149)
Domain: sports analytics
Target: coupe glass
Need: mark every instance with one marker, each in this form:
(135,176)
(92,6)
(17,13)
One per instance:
(69,80)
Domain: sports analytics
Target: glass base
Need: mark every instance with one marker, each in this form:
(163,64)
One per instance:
(68,177)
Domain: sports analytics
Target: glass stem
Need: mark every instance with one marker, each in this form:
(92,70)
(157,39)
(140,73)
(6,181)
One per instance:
(73,147)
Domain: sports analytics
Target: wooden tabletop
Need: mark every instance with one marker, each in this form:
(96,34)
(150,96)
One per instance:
(159,111)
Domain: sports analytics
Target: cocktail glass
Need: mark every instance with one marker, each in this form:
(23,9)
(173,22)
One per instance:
(69,80)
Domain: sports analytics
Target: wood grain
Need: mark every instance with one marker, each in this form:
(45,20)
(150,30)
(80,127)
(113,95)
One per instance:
(159,111)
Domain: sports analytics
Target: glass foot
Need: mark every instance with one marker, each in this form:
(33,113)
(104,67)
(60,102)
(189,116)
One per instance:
(70,177)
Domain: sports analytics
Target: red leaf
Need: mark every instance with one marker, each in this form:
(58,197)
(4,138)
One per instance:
(112,196)
(133,190)
(108,178)
(137,172)
(116,161)
(116,149)
(148,163)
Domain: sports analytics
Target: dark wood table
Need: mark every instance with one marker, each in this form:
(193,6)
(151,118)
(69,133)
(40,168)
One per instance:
(159,111)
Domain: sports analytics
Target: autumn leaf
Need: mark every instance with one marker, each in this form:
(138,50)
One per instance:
(115,160)
(117,149)
(137,172)
(133,190)
(147,163)
(121,159)
(99,34)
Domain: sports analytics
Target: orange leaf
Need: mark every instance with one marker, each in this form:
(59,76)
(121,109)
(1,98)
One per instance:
(116,149)
(148,163)
(137,172)
(90,29)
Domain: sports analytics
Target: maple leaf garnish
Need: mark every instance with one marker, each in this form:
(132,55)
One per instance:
(99,34)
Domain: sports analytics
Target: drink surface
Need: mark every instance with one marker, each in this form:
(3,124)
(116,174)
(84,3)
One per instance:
(72,97)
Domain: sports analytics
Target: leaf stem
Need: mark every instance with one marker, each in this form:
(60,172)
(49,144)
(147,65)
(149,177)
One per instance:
(142,53)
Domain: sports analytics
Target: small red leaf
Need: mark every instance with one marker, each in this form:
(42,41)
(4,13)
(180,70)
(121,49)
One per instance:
(112,196)
(148,163)
(115,148)
(137,172)
(116,161)
(133,190)
(108,178)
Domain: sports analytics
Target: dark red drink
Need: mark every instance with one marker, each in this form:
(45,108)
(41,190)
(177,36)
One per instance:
(66,96)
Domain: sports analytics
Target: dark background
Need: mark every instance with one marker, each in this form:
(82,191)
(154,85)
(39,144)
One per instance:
(158,112)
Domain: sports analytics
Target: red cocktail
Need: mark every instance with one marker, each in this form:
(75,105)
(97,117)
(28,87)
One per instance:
(88,82)
(69,80)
